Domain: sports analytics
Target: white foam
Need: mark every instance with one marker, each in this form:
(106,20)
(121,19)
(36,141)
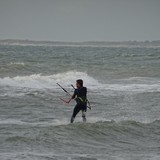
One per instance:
(55,122)
(12,121)
(42,81)
(39,81)
(133,84)
(17,63)
(133,87)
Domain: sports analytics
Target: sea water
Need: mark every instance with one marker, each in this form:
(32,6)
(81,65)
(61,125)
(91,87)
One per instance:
(123,88)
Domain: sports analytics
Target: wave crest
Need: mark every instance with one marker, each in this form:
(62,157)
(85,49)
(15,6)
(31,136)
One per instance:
(39,81)
(48,81)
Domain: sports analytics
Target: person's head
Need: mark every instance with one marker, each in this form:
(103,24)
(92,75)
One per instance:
(79,83)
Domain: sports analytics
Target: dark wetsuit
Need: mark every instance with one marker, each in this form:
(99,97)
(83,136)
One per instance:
(80,95)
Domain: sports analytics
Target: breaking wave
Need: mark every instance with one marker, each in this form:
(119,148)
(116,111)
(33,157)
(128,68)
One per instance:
(40,81)
(48,81)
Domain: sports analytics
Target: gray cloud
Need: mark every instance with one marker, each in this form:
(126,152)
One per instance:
(80,20)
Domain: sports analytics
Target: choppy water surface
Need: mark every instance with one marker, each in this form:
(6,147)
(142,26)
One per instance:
(123,88)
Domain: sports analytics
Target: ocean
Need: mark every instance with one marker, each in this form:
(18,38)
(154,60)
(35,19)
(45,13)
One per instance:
(123,88)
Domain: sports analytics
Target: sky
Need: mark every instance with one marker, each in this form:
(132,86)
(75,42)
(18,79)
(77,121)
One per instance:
(80,20)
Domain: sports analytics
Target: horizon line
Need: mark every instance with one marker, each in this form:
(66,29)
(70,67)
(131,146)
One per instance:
(29,40)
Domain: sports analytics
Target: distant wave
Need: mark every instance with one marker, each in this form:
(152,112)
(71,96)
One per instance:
(131,44)
(16,64)
(13,66)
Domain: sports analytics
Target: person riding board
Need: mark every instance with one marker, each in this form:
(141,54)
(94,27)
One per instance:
(80,95)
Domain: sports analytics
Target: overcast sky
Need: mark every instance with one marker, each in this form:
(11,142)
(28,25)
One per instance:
(80,20)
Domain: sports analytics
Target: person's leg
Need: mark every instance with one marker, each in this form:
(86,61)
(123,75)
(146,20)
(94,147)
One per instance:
(84,109)
(84,115)
(75,112)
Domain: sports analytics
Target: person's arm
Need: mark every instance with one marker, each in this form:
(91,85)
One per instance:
(69,100)
(71,97)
